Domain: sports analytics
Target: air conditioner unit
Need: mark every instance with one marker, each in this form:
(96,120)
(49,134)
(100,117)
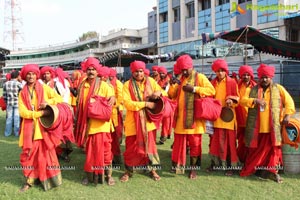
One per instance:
(248,52)
(221,52)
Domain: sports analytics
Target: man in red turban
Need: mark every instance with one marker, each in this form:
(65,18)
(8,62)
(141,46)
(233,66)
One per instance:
(166,123)
(33,68)
(269,106)
(117,117)
(246,81)
(147,72)
(265,70)
(164,79)
(103,73)
(55,80)
(246,70)
(47,73)
(188,130)
(62,77)
(90,62)
(91,133)
(137,66)
(38,157)
(176,69)
(177,74)
(7,77)
(185,62)
(75,77)
(140,147)
(222,142)
(155,74)
(220,64)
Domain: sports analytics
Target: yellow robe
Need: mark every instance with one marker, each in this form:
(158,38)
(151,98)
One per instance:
(96,125)
(50,96)
(131,106)
(119,102)
(221,95)
(205,88)
(244,109)
(265,115)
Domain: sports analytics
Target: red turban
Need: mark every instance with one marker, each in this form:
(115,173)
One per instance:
(112,72)
(82,65)
(246,69)
(147,72)
(61,75)
(155,68)
(220,64)
(265,70)
(233,75)
(176,69)
(184,62)
(47,69)
(30,68)
(136,65)
(8,76)
(103,71)
(162,70)
(90,62)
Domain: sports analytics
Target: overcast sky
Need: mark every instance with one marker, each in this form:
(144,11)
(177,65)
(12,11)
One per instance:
(50,22)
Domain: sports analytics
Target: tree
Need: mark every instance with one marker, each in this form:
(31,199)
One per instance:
(88,35)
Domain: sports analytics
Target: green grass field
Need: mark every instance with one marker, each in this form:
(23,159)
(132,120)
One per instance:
(207,186)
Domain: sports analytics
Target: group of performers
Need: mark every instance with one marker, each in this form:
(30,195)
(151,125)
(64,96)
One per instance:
(251,139)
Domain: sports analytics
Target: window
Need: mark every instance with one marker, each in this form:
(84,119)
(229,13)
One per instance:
(163,17)
(132,40)
(206,4)
(294,35)
(243,1)
(191,9)
(176,14)
(223,2)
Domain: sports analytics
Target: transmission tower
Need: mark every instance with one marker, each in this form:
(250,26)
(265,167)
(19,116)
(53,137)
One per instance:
(13,35)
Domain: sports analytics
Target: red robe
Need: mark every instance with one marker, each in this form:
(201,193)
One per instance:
(223,141)
(38,157)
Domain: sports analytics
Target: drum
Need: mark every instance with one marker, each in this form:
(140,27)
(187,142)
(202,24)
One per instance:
(227,114)
(156,113)
(49,120)
(290,132)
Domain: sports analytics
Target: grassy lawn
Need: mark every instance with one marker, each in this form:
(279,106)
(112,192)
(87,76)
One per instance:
(171,186)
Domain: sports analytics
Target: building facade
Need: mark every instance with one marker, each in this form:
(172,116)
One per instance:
(182,22)
(177,26)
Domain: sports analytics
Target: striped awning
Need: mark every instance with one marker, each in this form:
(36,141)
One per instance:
(261,41)
(134,55)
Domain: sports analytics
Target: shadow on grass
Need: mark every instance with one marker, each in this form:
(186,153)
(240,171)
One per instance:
(73,172)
